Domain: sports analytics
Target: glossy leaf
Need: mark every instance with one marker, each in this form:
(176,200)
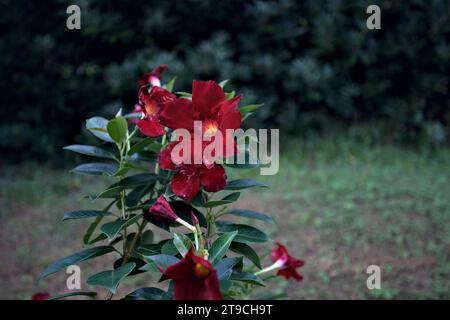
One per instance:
(182,243)
(220,247)
(232,197)
(110,279)
(90,151)
(118,129)
(250,214)
(216,203)
(97,126)
(84,255)
(146,294)
(140,145)
(244,184)
(246,251)
(85,214)
(247,277)
(225,267)
(90,294)
(95,169)
(135,181)
(112,229)
(245,233)
(163,260)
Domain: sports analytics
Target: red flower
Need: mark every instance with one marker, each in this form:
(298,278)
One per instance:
(162,210)
(288,264)
(152,78)
(190,177)
(195,279)
(41,296)
(151,104)
(210,106)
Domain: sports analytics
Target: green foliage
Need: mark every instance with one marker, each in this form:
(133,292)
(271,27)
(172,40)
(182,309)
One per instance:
(314,63)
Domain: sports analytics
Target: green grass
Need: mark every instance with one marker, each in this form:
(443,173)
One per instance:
(340,205)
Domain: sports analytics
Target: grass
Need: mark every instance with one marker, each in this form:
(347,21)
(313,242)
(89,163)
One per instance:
(340,205)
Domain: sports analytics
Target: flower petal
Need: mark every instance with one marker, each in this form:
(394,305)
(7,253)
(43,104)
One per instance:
(185,184)
(178,114)
(214,179)
(150,127)
(206,98)
(165,159)
(229,116)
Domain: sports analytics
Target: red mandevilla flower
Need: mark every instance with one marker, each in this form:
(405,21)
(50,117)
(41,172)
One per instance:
(288,264)
(41,296)
(162,209)
(210,106)
(195,279)
(152,78)
(190,177)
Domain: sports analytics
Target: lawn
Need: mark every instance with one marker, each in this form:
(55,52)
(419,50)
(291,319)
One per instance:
(340,205)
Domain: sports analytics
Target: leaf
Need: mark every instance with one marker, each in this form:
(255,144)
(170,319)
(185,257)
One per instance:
(182,243)
(223,83)
(112,229)
(134,196)
(148,250)
(140,145)
(90,294)
(110,279)
(232,197)
(216,203)
(147,237)
(118,129)
(163,260)
(135,181)
(97,126)
(248,278)
(95,169)
(246,251)
(91,229)
(146,294)
(225,267)
(90,151)
(76,258)
(250,214)
(220,247)
(85,214)
(236,162)
(249,108)
(169,248)
(170,84)
(136,270)
(245,233)
(244,184)
(108,193)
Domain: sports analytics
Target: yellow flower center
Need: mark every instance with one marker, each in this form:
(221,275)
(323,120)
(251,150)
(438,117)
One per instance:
(210,128)
(200,270)
(151,108)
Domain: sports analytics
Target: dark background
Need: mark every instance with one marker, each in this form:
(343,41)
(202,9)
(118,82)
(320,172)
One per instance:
(314,64)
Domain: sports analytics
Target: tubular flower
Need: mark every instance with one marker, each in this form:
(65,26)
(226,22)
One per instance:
(195,279)
(286,263)
(162,211)
(210,106)
(190,177)
(151,105)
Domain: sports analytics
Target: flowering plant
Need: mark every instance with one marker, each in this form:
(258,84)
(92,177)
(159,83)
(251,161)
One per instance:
(167,179)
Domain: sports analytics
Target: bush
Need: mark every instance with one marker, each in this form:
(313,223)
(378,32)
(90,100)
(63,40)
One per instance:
(315,63)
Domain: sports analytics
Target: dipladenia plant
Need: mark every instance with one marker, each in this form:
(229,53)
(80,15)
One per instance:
(206,254)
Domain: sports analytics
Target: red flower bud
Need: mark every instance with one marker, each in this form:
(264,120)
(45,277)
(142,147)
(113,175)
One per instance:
(162,209)
(194,218)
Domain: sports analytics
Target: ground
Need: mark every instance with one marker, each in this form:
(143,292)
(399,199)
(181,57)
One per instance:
(340,206)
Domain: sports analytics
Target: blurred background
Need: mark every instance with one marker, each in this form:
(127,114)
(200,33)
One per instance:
(364,117)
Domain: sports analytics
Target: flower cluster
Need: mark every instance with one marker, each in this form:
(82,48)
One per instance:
(167,179)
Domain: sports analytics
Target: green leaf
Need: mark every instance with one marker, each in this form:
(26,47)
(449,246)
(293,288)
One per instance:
(95,169)
(90,294)
(169,248)
(216,203)
(118,129)
(91,229)
(244,184)
(245,233)
(249,108)
(220,247)
(163,260)
(147,237)
(108,193)
(230,95)
(97,126)
(248,162)
(182,243)
(85,214)
(246,251)
(90,151)
(135,181)
(146,294)
(247,277)
(250,214)
(183,94)
(110,279)
(170,84)
(148,250)
(140,145)
(112,229)
(76,258)
(223,83)
(232,197)
(225,267)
